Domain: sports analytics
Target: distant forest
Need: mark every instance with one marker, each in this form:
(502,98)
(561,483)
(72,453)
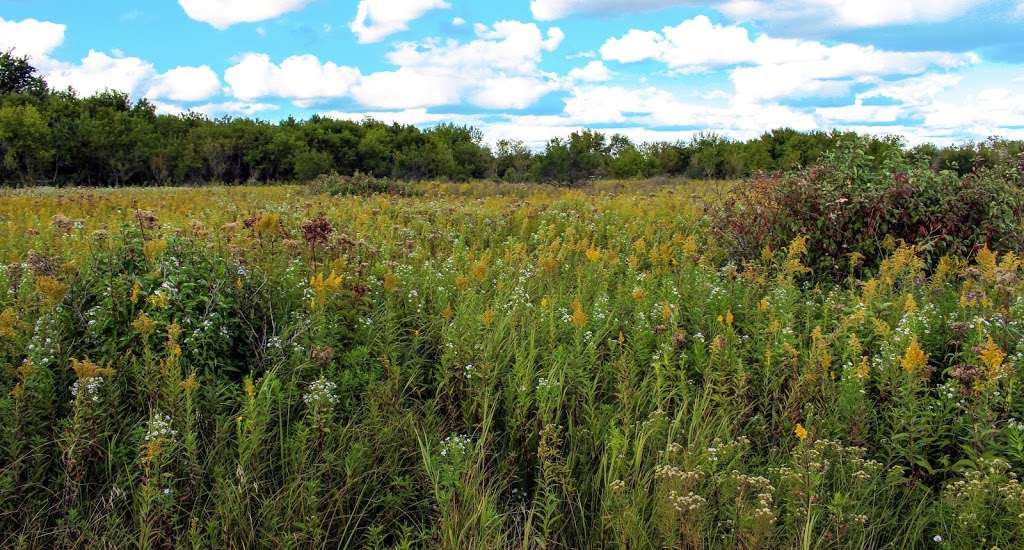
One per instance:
(55,137)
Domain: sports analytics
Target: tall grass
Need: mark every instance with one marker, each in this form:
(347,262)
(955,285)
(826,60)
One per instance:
(482,368)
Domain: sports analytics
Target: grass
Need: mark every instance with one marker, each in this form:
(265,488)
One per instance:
(488,366)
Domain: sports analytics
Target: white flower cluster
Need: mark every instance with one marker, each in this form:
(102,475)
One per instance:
(88,387)
(322,392)
(159,428)
(544,383)
(454,445)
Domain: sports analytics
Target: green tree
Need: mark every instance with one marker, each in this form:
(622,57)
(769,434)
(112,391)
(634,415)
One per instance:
(512,160)
(24,139)
(18,76)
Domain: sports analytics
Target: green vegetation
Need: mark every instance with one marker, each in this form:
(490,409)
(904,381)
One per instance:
(360,363)
(57,138)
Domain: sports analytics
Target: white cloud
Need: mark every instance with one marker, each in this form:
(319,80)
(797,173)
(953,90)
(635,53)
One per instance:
(458,21)
(186,84)
(767,67)
(301,77)
(655,107)
(987,110)
(834,13)
(136,77)
(224,13)
(98,72)
(377,19)
(865,13)
(549,10)
(497,70)
(419,117)
(913,91)
(595,71)
(406,88)
(234,108)
(510,92)
(36,39)
(860,113)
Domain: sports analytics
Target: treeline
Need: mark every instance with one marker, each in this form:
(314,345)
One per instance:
(58,138)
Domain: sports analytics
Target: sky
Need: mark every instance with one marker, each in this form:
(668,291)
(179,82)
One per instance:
(939,71)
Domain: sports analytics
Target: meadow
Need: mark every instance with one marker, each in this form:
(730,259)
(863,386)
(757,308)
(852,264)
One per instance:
(492,366)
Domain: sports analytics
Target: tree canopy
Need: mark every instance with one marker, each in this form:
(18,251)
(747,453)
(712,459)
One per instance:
(57,137)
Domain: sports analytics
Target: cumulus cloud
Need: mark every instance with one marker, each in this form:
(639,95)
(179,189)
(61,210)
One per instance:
(917,90)
(655,107)
(595,71)
(186,84)
(859,113)
(837,13)
(865,13)
(771,68)
(98,72)
(36,39)
(378,19)
(499,69)
(234,108)
(301,77)
(989,108)
(419,117)
(224,13)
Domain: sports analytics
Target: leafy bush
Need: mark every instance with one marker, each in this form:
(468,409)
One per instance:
(359,184)
(852,210)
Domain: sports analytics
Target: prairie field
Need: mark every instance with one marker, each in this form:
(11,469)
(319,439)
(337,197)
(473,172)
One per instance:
(493,366)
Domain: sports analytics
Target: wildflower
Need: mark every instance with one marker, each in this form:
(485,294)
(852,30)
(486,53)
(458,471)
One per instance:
(390,281)
(915,358)
(159,428)
(480,268)
(579,318)
(447,312)
(910,307)
(548,263)
(190,385)
(87,369)
(639,294)
(690,247)
(325,285)
(136,288)
(322,393)
(144,324)
(801,432)
(52,290)
(666,312)
(158,299)
(864,369)
(992,357)
(488,317)
(937,538)
(461,283)
(593,254)
(154,249)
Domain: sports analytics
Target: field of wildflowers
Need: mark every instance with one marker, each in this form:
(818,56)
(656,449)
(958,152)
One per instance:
(491,366)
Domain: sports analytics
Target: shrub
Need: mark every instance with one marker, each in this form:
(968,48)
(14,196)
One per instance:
(359,184)
(852,208)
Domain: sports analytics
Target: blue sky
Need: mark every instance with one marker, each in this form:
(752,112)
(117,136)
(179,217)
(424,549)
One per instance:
(940,71)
